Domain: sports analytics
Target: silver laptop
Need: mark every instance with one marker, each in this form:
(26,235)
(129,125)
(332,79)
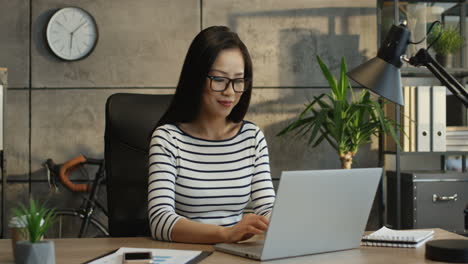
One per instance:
(315,211)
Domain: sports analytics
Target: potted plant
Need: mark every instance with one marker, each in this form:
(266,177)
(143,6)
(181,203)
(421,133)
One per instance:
(446,41)
(37,220)
(345,123)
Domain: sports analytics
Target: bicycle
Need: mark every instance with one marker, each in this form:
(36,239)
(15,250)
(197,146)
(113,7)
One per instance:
(68,219)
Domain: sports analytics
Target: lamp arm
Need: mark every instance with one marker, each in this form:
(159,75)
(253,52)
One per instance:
(423,58)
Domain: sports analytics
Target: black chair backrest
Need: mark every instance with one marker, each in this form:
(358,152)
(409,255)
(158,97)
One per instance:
(130,119)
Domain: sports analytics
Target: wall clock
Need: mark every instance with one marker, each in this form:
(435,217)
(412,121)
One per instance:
(71,33)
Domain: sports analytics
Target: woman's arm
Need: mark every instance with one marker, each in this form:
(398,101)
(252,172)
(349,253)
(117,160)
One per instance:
(161,185)
(262,194)
(186,230)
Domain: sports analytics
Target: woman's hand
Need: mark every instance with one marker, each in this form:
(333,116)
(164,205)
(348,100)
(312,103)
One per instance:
(249,226)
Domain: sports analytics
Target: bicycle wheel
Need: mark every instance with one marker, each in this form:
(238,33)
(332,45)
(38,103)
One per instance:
(68,222)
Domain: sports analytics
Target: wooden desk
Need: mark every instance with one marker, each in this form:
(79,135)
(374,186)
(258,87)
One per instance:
(80,250)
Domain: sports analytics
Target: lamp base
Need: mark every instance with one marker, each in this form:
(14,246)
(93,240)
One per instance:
(448,250)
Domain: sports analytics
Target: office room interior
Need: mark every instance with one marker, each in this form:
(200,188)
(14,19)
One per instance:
(55,108)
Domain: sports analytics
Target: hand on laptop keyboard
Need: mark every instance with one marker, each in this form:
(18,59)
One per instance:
(253,239)
(249,226)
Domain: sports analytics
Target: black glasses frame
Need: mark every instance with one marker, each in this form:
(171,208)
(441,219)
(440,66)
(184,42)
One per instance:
(211,77)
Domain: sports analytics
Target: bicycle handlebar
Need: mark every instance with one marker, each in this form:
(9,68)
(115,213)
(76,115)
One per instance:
(66,170)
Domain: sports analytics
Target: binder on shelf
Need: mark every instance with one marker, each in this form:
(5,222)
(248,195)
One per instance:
(438,128)
(389,142)
(405,122)
(423,119)
(412,108)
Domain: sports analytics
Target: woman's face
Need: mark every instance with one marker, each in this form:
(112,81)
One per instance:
(230,64)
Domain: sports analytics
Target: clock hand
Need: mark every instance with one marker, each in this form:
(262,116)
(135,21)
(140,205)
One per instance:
(78,27)
(62,25)
(71,42)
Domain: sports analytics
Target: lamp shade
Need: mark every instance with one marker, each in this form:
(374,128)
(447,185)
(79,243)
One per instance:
(381,74)
(381,78)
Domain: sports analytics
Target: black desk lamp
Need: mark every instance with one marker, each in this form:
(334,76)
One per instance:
(382,76)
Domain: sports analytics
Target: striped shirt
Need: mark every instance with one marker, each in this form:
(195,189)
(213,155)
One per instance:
(208,181)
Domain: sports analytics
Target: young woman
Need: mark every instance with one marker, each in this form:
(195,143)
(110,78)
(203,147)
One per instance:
(206,163)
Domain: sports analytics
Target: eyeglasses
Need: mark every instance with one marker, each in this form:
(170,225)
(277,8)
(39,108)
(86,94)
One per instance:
(219,83)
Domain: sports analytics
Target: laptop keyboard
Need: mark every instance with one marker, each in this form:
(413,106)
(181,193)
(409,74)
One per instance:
(249,248)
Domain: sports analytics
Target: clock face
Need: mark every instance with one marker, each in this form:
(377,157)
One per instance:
(71,33)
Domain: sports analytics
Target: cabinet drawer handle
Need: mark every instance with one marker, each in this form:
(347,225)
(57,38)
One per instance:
(436,198)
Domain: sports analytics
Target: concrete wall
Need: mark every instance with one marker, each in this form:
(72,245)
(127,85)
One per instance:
(141,48)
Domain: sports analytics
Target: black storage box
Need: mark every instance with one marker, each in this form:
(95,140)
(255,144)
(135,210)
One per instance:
(429,200)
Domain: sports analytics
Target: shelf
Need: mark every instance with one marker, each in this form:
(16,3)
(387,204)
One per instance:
(424,72)
(412,12)
(453,11)
(446,153)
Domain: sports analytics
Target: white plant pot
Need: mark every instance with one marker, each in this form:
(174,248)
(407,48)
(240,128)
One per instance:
(445,60)
(32,253)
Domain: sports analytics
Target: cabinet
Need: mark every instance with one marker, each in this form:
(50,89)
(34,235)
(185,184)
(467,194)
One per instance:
(407,198)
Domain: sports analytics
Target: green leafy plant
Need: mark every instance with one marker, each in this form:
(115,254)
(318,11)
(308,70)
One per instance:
(36,218)
(345,124)
(449,41)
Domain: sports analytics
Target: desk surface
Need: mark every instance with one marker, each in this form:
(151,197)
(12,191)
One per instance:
(79,250)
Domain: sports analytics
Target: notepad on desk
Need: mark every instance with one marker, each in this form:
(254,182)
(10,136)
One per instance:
(386,237)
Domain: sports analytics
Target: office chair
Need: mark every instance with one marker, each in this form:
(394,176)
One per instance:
(130,119)
(466,218)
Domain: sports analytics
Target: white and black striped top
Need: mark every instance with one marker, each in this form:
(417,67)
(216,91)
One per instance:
(209,181)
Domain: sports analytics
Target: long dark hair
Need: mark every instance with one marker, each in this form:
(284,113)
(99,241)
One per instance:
(200,57)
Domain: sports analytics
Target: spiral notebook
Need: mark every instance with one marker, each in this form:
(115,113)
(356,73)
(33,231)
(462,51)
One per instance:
(386,237)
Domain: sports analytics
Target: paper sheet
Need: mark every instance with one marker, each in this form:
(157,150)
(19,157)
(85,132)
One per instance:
(160,256)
